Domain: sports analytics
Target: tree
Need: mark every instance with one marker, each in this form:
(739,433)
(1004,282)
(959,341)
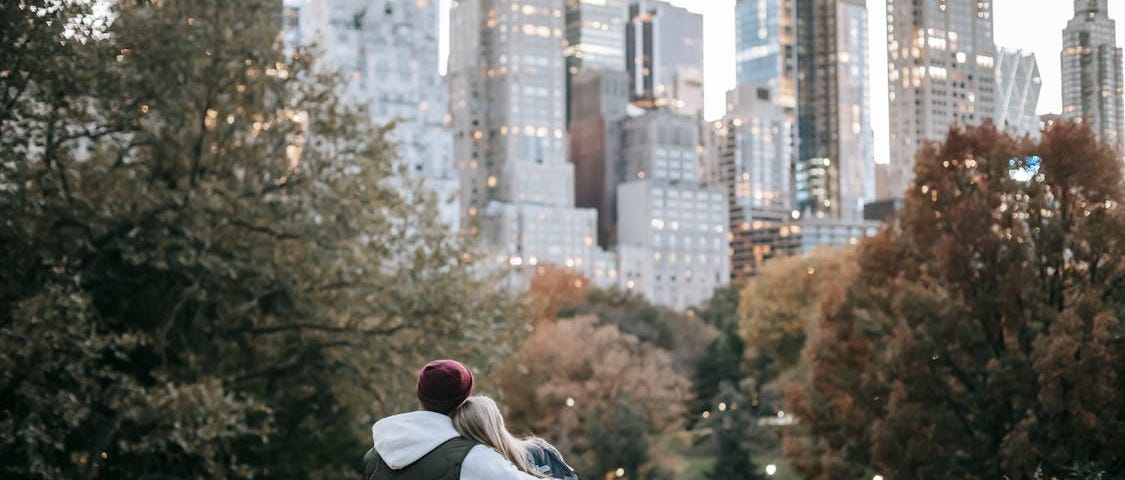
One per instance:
(721,364)
(982,336)
(783,305)
(587,385)
(682,334)
(734,426)
(555,288)
(210,265)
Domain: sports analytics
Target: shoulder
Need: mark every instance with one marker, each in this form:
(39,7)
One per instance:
(542,447)
(483,463)
(548,456)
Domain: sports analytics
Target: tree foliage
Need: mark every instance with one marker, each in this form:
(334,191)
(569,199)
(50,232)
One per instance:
(209,265)
(781,306)
(683,334)
(736,435)
(586,386)
(555,288)
(982,336)
(721,363)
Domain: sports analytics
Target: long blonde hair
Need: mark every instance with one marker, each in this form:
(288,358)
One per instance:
(479,419)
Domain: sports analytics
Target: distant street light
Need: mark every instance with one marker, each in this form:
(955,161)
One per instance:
(771,469)
(877,477)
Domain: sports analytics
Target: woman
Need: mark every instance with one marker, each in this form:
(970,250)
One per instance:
(479,419)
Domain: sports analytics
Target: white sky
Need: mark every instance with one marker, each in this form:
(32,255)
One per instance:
(1032,25)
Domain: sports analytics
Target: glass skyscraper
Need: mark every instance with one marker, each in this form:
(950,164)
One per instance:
(507,101)
(1091,71)
(812,55)
(595,40)
(835,169)
(942,71)
(664,56)
(1017,77)
(765,48)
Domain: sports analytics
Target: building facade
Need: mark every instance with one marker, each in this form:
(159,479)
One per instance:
(672,230)
(755,154)
(1091,72)
(595,39)
(942,71)
(507,89)
(773,237)
(599,105)
(766,48)
(1018,84)
(664,56)
(387,52)
(835,168)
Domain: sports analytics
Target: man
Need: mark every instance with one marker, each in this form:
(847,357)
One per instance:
(423,445)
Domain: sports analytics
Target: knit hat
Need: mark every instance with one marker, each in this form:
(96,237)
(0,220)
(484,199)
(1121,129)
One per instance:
(443,385)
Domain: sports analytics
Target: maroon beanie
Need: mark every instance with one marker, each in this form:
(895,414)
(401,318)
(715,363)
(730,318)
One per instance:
(443,385)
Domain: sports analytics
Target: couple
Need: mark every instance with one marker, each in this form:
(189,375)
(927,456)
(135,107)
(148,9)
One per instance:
(456,436)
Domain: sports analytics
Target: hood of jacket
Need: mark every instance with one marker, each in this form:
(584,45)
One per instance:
(402,439)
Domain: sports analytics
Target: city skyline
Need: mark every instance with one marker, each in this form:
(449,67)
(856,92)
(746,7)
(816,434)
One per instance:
(1040,34)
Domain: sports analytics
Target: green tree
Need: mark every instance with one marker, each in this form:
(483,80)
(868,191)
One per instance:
(618,440)
(734,427)
(209,265)
(982,337)
(721,364)
(683,334)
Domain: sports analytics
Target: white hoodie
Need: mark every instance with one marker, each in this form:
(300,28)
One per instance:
(404,438)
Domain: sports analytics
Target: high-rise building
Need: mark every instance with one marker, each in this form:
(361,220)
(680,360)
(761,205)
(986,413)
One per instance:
(387,51)
(672,231)
(835,168)
(595,39)
(664,56)
(941,71)
(508,107)
(755,153)
(766,48)
(1091,72)
(597,94)
(599,103)
(1018,83)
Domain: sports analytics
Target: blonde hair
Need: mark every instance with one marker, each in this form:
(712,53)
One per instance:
(479,419)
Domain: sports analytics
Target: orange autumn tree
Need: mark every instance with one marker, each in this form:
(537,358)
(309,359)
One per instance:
(553,288)
(982,336)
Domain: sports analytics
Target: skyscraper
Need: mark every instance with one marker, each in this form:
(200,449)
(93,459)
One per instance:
(835,169)
(595,39)
(755,155)
(387,51)
(507,86)
(766,49)
(1018,81)
(941,67)
(1091,71)
(671,232)
(664,56)
(599,104)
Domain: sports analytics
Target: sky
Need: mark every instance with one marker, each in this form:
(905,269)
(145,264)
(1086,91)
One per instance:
(1031,25)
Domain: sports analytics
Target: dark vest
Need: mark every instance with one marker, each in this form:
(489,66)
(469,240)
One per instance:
(442,463)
